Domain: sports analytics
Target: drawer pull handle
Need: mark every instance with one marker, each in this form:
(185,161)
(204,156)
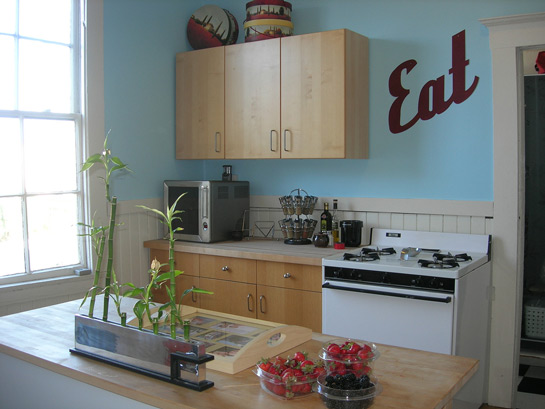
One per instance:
(193,295)
(225,268)
(287,275)
(261,304)
(248,302)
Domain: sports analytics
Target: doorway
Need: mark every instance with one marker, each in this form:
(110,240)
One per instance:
(508,36)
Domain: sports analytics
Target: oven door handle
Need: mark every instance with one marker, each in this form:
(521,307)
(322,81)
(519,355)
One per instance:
(445,300)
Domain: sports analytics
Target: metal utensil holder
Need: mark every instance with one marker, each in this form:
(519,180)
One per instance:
(295,229)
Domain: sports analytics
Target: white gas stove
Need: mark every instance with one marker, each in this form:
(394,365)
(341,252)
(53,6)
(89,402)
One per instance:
(421,290)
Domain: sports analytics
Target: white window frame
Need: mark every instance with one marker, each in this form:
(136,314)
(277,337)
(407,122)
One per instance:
(87,69)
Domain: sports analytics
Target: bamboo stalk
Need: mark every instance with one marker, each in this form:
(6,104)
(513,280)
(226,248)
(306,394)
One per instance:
(97,275)
(173,309)
(109,266)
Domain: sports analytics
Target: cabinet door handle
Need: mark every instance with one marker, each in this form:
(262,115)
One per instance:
(248,302)
(217,136)
(225,268)
(273,148)
(286,140)
(261,304)
(193,295)
(287,275)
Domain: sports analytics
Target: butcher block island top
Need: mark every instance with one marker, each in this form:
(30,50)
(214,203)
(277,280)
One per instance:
(260,249)
(411,379)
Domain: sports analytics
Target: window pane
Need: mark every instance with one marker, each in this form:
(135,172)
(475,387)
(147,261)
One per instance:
(7,71)
(11,163)
(50,155)
(47,20)
(52,231)
(12,250)
(45,77)
(7,16)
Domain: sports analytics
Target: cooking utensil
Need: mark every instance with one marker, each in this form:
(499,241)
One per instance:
(409,252)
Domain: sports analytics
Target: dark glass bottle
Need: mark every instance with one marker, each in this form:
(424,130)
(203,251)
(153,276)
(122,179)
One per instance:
(325,219)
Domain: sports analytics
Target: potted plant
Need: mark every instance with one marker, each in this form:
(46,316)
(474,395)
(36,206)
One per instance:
(119,343)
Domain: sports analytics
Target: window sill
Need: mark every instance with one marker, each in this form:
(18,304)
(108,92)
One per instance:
(48,288)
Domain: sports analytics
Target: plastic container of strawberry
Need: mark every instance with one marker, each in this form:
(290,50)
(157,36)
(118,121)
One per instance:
(346,354)
(284,378)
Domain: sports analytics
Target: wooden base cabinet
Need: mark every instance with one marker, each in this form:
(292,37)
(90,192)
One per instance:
(273,291)
(229,297)
(294,307)
(189,264)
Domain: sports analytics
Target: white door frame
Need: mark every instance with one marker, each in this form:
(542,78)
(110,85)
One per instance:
(508,36)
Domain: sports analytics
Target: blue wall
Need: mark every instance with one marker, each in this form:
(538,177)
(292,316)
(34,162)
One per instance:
(447,157)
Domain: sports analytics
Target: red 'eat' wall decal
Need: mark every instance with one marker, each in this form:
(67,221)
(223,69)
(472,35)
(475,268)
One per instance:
(437,88)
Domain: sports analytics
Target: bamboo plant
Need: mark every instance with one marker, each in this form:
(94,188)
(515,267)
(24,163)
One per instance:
(101,235)
(172,309)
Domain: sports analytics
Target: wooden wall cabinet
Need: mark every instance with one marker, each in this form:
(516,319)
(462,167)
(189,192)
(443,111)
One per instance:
(200,104)
(297,97)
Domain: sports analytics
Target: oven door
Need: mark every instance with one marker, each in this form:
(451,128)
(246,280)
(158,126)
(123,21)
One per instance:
(386,315)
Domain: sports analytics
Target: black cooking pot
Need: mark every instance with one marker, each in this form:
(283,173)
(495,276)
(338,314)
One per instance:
(351,232)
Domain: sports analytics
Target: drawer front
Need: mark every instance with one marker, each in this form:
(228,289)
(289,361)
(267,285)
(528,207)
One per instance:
(183,282)
(186,262)
(292,307)
(228,268)
(229,297)
(286,275)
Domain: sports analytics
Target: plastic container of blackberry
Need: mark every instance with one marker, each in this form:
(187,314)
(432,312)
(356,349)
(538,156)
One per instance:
(334,398)
(360,363)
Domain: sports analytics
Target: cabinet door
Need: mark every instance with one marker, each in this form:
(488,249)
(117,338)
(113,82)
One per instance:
(324,109)
(293,307)
(200,104)
(252,100)
(296,276)
(189,264)
(228,268)
(229,297)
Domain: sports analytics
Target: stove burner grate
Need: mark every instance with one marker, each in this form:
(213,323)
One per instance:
(438,263)
(361,257)
(451,258)
(387,251)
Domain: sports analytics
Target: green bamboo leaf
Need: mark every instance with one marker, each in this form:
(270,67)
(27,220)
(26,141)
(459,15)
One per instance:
(201,291)
(152,210)
(133,293)
(163,277)
(91,161)
(117,161)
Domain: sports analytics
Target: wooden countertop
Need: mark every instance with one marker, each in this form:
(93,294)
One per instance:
(411,379)
(255,249)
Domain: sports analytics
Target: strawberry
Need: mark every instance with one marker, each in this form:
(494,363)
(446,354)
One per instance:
(300,356)
(365,352)
(334,350)
(264,364)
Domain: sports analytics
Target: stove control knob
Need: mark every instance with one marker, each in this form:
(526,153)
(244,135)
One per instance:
(337,273)
(353,274)
(436,283)
(386,278)
(416,281)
